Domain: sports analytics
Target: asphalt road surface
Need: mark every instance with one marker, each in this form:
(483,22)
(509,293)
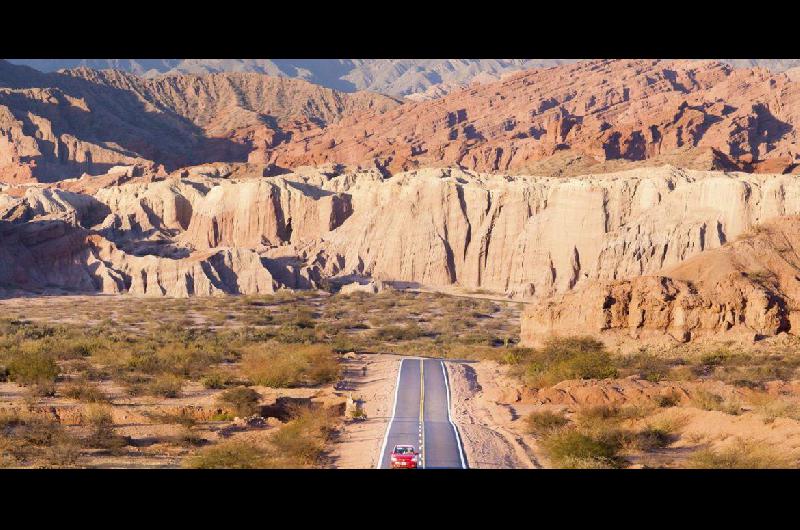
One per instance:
(421,416)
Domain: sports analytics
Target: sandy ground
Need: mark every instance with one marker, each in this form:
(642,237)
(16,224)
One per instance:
(480,402)
(490,408)
(370,378)
(150,445)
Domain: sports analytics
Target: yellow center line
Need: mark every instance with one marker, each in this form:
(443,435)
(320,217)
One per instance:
(422,411)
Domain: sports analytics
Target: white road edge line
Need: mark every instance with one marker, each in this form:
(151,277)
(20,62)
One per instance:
(450,419)
(391,420)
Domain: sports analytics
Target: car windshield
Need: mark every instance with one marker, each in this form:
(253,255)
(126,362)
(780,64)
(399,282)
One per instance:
(403,450)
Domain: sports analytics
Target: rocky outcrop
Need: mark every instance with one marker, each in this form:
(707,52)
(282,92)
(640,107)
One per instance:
(747,288)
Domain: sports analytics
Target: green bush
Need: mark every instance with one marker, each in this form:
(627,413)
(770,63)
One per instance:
(569,448)
(32,367)
(244,401)
(568,358)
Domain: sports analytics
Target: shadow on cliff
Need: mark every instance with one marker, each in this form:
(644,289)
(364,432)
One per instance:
(117,120)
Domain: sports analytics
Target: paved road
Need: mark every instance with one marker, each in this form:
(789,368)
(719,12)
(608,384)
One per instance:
(421,416)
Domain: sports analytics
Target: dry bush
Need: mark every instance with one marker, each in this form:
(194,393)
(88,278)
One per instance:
(283,366)
(102,434)
(773,407)
(244,401)
(302,442)
(743,454)
(545,422)
(232,454)
(165,385)
(30,440)
(82,390)
(706,400)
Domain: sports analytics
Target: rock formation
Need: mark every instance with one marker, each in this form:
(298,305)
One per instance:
(599,110)
(522,236)
(747,288)
(60,125)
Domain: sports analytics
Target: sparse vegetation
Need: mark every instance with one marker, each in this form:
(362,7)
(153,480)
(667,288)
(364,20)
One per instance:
(706,400)
(85,391)
(34,440)
(302,441)
(569,448)
(565,358)
(743,454)
(281,366)
(545,422)
(233,454)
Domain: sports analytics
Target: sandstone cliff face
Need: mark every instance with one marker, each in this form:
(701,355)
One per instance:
(602,109)
(526,237)
(747,288)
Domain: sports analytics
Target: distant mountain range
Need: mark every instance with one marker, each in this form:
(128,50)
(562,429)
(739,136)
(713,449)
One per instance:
(397,77)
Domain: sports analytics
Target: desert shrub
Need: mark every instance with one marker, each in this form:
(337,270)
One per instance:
(102,434)
(742,454)
(667,400)
(651,437)
(302,441)
(31,440)
(544,422)
(32,367)
(217,380)
(569,448)
(244,401)
(647,366)
(179,419)
(568,358)
(772,407)
(82,390)
(188,438)
(232,454)
(706,400)
(165,385)
(279,366)
(393,332)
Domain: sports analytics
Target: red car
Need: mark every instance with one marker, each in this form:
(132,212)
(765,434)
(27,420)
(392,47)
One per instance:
(404,457)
